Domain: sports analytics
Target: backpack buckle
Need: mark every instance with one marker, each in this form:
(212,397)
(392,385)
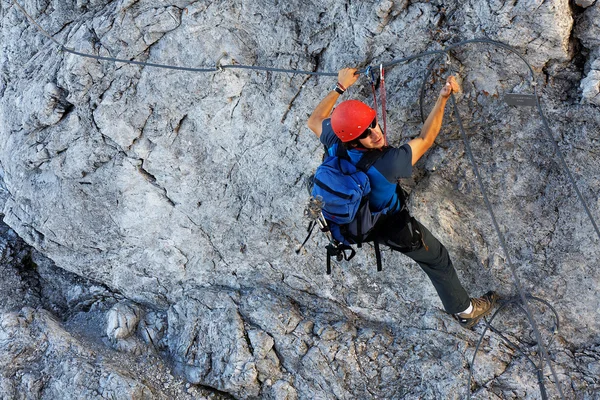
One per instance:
(339,252)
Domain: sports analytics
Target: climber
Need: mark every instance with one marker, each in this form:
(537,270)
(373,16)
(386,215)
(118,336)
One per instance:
(354,125)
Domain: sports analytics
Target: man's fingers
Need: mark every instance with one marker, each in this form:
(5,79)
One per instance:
(451,80)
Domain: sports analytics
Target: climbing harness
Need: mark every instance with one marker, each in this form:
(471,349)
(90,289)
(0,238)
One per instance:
(523,298)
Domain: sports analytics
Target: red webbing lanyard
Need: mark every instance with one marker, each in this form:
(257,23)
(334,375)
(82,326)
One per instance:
(383,102)
(371,76)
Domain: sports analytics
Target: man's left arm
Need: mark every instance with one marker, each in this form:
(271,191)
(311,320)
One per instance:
(433,123)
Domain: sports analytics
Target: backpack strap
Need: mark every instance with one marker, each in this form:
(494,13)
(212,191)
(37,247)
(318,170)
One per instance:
(339,252)
(366,161)
(341,151)
(377,255)
(402,196)
(369,158)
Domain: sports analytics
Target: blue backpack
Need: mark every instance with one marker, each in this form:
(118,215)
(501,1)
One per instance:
(341,190)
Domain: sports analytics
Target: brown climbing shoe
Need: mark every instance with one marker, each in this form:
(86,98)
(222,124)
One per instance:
(482,306)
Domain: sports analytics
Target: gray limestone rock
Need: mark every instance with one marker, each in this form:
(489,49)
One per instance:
(121,324)
(585,3)
(589,33)
(122,321)
(39,359)
(590,85)
(209,343)
(177,198)
(52,343)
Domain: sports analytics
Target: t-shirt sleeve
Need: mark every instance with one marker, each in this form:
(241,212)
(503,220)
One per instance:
(396,163)
(327,137)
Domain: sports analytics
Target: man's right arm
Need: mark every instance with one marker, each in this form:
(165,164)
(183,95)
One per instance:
(346,77)
(321,112)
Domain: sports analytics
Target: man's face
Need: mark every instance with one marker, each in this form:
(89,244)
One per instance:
(374,139)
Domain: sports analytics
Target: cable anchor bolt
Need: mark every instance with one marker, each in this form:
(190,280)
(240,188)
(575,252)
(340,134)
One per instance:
(448,60)
(218,65)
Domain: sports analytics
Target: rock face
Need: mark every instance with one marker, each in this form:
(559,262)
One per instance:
(51,344)
(179,197)
(589,34)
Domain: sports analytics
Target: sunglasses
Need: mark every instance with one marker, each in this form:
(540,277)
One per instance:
(367,132)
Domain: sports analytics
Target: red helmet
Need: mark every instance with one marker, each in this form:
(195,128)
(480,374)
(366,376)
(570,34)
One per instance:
(350,119)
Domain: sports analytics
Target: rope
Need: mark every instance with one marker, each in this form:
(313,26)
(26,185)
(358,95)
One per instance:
(539,369)
(543,351)
(539,107)
(221,67)
(216,68)
(371,76)
(564,164)
(517,282)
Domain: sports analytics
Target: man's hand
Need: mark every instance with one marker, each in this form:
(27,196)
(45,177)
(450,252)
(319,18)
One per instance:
(347,77)
(450,87)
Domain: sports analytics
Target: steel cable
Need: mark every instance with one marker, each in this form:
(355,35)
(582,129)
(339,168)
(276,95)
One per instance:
(543,351)
(216,68)
(516,279)
(505,303)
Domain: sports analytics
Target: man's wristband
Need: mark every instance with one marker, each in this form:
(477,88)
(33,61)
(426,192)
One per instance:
(339,88)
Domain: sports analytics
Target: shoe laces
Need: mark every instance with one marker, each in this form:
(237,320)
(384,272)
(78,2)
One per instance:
(480,303)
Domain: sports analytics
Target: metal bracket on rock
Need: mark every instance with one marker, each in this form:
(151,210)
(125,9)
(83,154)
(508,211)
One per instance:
(517,99)
(218,65)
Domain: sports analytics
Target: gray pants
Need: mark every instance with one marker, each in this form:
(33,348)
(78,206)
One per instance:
(435,261)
